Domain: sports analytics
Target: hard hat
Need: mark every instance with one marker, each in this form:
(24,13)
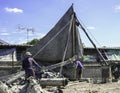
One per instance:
(28,54)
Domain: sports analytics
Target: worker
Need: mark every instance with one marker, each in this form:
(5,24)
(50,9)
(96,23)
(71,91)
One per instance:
(79,68)
(27,65)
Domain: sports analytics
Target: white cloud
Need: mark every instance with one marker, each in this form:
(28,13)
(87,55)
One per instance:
(91,27)
(117,8)
(19,32)
(13,40)
(13,10)
(36,35)
(20,41)
(3,29)
(40,35)
(4,34)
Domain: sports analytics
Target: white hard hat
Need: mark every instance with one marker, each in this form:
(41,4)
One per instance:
(28,54)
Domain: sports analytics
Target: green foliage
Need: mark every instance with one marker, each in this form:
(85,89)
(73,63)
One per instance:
(34,41)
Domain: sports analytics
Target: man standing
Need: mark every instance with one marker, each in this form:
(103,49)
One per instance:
(27,65)
(79,68)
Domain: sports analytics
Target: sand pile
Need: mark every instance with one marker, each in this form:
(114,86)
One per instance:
(84,87)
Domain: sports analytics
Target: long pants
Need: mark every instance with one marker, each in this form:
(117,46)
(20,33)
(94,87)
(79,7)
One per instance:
(78,73)
(29,72)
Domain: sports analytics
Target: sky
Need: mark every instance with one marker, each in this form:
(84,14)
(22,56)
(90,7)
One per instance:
(24,20)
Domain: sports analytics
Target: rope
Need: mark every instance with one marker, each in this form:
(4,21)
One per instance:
(50,40)
(89,32)
(92,43)
(95,39)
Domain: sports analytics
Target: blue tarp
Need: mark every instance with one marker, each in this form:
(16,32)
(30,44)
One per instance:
(4,52)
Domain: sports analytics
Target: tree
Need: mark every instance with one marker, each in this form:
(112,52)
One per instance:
(34,41)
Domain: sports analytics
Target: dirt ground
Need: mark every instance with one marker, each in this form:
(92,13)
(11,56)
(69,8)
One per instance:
(84,87)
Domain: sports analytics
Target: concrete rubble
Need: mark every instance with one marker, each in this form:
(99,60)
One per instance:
(18,84)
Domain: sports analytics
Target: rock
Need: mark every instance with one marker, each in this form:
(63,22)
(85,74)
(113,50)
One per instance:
(33,86)
(4,88)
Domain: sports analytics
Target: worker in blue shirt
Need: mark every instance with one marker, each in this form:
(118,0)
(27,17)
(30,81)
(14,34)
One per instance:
(79,68)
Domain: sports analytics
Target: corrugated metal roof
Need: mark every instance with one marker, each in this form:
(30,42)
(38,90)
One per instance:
(16,45)
(3,42)
(102,48)
(84,48)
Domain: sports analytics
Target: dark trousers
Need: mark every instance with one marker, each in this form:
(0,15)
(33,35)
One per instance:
(28,73)
(78,73)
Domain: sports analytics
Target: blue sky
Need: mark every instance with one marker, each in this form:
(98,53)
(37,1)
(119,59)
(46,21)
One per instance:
(100,17)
